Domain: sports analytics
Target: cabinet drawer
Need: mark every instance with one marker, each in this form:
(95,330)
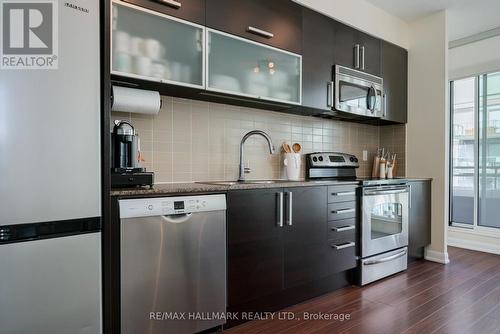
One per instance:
(342,256)
(341,194)
(342,210)
(277,23)
(190,10)
(342,230)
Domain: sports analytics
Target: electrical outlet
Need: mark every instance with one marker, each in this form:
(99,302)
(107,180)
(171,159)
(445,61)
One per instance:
(365,155)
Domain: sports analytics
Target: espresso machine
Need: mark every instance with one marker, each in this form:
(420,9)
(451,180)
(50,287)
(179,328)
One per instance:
(126,170)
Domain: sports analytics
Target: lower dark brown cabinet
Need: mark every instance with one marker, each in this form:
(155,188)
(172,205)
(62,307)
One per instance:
(306,256)
(419,234)
(279,255)
(255,251)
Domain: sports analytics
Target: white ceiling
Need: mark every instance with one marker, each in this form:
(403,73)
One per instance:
(465,17)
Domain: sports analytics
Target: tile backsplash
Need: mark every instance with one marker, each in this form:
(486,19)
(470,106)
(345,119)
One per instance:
(393,138)
(199,141)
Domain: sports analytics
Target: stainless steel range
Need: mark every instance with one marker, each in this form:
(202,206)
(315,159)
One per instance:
(384,206)
(384,229)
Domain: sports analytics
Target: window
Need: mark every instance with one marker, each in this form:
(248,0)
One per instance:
(475,151)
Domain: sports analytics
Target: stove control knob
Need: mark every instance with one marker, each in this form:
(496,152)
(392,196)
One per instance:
(351,159)
(320,158)
(355,159)
(315,159)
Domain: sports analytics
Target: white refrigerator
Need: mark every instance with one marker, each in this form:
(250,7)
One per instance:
(50,175)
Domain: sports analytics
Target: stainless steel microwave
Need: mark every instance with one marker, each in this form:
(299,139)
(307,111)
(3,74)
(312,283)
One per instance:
(355,94)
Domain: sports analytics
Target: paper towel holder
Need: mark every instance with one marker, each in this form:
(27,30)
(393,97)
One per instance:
(125,99)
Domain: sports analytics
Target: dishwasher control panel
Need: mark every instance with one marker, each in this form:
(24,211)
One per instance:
(145,207)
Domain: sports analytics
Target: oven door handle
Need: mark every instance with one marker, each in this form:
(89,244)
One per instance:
(386,192)
(386,259)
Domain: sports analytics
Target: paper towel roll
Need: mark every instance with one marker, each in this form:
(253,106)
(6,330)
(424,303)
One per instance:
(136,100)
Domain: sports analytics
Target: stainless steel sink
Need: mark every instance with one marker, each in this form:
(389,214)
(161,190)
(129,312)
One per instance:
(232,183)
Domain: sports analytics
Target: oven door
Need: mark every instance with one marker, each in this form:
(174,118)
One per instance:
(356,96)
(384,219)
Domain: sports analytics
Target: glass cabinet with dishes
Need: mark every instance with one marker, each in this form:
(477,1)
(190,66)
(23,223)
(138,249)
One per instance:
(246,68)
(152,46)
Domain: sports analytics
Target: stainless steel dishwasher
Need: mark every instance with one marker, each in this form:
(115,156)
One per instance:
(173,264)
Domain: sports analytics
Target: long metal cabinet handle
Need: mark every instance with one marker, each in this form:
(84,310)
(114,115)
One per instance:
(260,32)
(362,57)
(385,105)
(330,93)
(290,209)
(280,209)
(385,259)
(171,3)
(409,196)
(347,193)
(356,56)
(343,211)
(344,245)
(344,228)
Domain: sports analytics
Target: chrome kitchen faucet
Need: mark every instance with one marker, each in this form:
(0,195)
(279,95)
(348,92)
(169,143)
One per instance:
(245,170)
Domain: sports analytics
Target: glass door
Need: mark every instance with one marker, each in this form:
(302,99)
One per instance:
(464,143)
(152,46)
(475,152)
(246,68)
(489,150)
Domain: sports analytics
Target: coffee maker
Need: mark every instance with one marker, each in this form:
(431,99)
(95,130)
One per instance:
(125,158)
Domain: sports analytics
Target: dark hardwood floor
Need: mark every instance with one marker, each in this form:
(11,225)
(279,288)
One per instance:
(461,297)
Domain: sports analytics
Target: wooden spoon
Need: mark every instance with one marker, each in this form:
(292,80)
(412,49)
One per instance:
(287,148)
(296,148)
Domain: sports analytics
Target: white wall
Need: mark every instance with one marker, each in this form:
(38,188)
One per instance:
(478,57)
(364,16)
(428,119)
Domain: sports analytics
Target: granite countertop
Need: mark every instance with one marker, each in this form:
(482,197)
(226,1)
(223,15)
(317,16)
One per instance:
(195,187)
(186,188)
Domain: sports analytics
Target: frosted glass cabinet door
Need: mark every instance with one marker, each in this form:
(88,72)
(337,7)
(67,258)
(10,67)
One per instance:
(152,46)
(246,68)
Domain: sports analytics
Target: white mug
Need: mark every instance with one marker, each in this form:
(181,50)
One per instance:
(142,65)
(122,62)
(153,49)
(121,42)
(176,71)
(292,163)
(159,70)
(137,46)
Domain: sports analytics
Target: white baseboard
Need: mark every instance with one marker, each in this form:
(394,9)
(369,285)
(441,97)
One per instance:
(434,256)
(477,245)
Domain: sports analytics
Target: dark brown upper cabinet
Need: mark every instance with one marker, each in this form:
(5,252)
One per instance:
(356,50)
(318,38)
(276,23)
(189,10)
(394,68)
